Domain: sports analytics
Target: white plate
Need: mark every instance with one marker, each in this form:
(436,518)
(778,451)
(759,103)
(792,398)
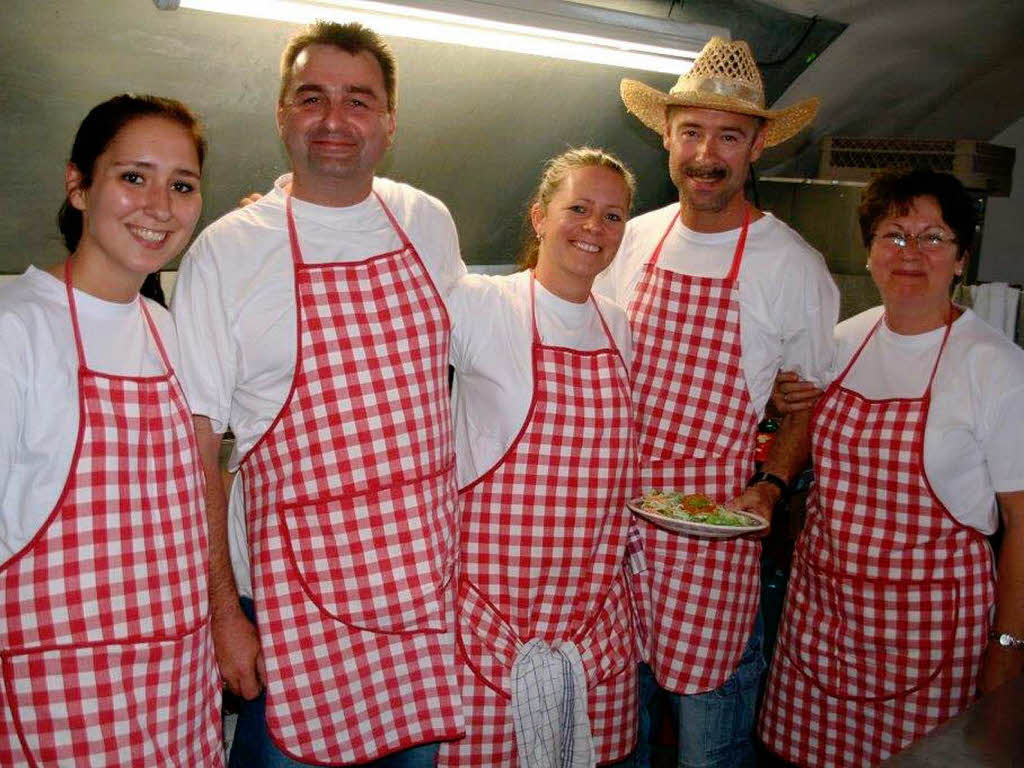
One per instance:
(700,530)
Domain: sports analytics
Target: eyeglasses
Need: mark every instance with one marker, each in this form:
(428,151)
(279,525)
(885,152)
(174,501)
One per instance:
(930,241)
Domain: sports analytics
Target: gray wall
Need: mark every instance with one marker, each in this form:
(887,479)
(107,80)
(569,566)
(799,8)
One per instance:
(474,126)
(826,216)
(1002,247)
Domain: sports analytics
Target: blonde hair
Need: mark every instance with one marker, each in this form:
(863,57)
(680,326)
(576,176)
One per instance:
(555,172)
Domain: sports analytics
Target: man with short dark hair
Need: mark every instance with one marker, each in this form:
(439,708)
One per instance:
(719,295)
(313,323)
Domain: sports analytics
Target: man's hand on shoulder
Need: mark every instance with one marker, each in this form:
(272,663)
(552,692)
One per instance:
(792,394)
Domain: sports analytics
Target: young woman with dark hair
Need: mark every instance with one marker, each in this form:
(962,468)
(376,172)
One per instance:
(103,565)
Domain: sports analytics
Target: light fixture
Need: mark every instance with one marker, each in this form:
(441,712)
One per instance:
(552,28)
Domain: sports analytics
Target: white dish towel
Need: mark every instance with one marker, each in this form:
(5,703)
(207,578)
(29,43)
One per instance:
(996,304)
(549,707)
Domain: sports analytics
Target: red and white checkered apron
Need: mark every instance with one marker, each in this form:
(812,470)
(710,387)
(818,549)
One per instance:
(888,605)
(544,545)
(352,511)
(696,428)
(105,646)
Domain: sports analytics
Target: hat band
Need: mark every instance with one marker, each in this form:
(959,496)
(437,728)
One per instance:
(727,88)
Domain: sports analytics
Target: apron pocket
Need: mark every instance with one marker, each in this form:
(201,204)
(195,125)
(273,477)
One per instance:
(869,640)
(486,641)
(125,704)
(380,560)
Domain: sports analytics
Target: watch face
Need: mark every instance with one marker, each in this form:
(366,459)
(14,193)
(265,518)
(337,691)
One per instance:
(1006,640)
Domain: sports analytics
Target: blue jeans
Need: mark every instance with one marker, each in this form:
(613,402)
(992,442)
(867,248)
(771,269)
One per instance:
(714,729)
(252,746)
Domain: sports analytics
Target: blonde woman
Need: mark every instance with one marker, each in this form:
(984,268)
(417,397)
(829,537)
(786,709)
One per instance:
(545,461)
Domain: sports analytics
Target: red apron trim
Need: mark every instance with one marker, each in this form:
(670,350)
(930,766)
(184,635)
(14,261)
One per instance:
(109,575)
(502,603)
(909,639)
(341,438)
(696,428)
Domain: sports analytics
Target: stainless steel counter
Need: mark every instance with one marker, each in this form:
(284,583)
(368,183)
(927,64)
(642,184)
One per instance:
(989,734)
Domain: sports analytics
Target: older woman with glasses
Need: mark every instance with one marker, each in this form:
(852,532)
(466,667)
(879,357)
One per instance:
(894,617)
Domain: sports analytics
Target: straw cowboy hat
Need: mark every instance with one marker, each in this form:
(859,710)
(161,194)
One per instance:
(725,77)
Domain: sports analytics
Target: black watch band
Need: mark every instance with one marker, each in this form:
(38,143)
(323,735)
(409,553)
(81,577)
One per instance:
(768,477)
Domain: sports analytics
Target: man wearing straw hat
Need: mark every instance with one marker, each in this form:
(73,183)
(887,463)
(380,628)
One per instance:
(720,295)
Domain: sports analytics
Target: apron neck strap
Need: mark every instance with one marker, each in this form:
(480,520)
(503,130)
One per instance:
(77,330)
(874,329)
(661,242)
(741,244)
(293,235)
(604,324)
(533,307)
(942,346)
(73,308)
(155,334)
(536,327)
(406,242)
(737,254)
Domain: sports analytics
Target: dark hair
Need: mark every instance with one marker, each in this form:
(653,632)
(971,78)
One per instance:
(100,127)
(152,289)
(893,192)
(555,171)
(353,38)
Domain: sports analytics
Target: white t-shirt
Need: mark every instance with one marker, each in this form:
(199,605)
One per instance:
(492,353)
(788,301)
(234,304)
(39,387)
(972,443)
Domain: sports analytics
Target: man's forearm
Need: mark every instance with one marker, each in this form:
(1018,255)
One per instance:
(786,457)
(223,591)
(790,450)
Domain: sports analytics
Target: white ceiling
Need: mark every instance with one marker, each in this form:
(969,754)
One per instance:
(950,69)
(922,68)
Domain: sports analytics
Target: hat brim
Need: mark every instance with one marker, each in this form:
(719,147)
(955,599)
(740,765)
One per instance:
(649,105)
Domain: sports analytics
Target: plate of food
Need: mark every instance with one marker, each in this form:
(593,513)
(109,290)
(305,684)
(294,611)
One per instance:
(695,515)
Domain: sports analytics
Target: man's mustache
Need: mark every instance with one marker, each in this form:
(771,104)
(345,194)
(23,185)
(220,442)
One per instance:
(705,172)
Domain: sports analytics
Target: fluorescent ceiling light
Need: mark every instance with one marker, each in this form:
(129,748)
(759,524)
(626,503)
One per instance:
(552,28)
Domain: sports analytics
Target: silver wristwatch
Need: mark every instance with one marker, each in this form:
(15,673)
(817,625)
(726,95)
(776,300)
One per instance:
(1006,640)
